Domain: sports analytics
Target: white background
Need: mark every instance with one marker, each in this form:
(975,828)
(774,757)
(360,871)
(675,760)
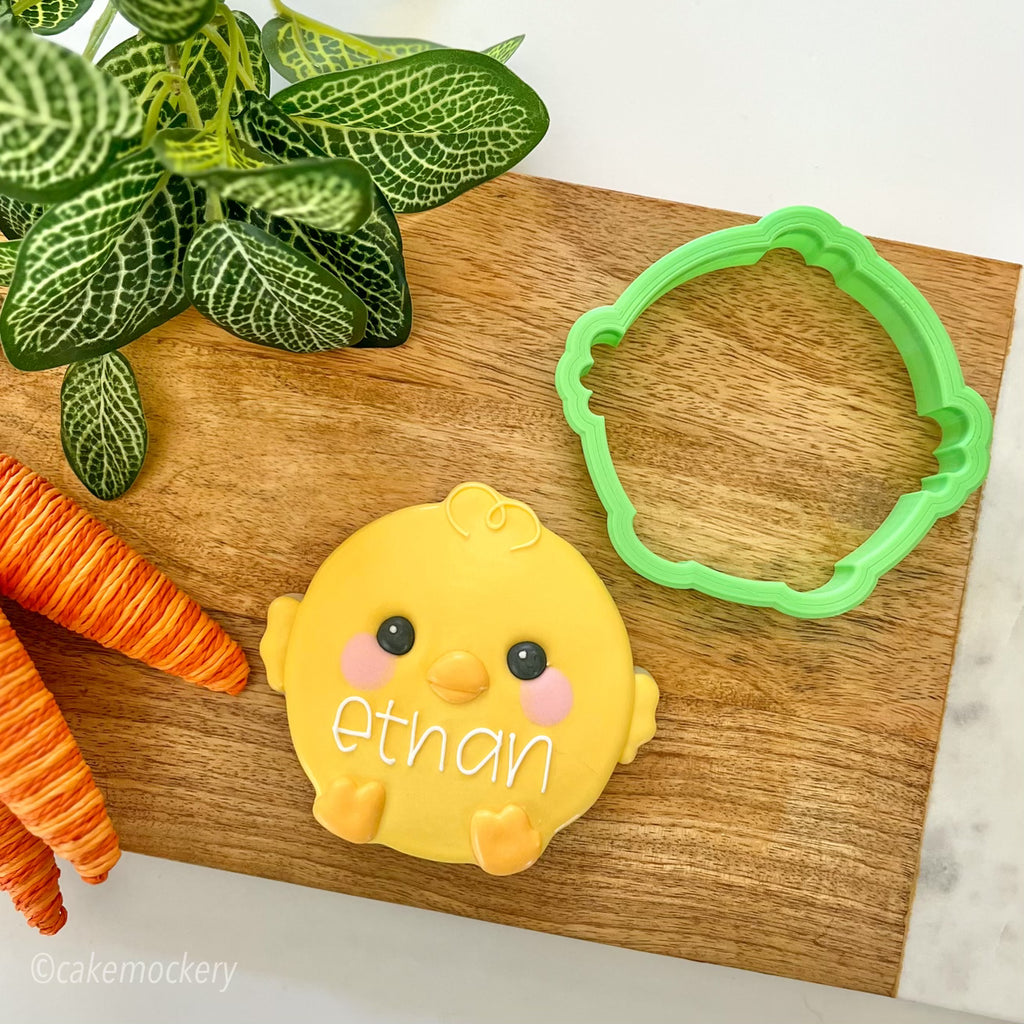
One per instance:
(903,119)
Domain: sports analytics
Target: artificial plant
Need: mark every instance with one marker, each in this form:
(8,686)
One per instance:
(163,174)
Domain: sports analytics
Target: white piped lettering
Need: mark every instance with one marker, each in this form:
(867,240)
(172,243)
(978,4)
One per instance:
(495,752)
(514,763)
(500,745)
(387,718)
(416,743)
(363,734)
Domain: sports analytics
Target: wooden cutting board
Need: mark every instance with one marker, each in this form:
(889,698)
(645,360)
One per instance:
(762,422)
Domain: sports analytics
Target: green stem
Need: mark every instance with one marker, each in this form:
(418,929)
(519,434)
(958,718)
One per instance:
(185,55)
(352,42)
(214,211)
(246,70)
(215,37)
(155,106)
(99,31)
(172,58)
(179,86)
(188,102)
(223,115)
(158,81)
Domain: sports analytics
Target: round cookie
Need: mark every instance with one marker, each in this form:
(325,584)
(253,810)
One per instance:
(459,682)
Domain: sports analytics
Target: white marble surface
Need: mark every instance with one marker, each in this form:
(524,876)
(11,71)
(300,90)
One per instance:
(306,955)
(965,946)
(902,117)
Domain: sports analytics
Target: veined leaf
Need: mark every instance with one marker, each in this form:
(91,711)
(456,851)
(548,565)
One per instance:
(369,260)
(504,50)
(60,119)
(137,59)
(99,270)
(8,257)
(47,17)
(330,193)
(102,424)
(334,194)
(133,63)
(298,52)
(17,217)
(206,67)
(402,47)
(264,126)
(193,154)
(168,21)
(427,127)
(259,289)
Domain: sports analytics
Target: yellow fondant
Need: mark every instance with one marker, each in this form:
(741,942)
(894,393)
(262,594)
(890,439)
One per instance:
(458,677)
(350,809)
(438,758)
(504,842)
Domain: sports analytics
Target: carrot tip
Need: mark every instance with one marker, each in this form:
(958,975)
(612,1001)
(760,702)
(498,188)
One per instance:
(52,927)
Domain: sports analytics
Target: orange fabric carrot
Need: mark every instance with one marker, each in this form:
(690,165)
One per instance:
(29,873)
(57,559)
(43,779)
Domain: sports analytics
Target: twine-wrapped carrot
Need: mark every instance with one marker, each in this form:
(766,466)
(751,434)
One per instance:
(57,559)
(43,779)
(29,873)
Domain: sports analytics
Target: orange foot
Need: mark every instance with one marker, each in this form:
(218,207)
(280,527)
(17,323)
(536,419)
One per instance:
(349,810)
(506,842)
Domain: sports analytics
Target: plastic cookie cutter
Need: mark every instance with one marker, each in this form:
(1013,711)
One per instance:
(939,389)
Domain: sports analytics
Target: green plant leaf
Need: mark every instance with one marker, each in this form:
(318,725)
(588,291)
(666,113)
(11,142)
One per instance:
(330,193)
(264,126)
(206,69)
(369,260)
(61,119)
(261,290)
(504,50)
(192,153)
(403,47)
(102,424)
(299,52)
(427,127)
(168,21)
(333,194)
(8,258)
(99,270)
(47,17)
(133,63)
(137,59)
(17,217)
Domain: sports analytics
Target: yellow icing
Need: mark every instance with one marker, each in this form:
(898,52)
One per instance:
(462,773)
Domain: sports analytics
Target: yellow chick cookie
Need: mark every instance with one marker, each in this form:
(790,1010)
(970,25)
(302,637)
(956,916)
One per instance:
(459,683)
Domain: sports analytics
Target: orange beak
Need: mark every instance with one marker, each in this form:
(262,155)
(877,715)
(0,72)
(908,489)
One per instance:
(458,677)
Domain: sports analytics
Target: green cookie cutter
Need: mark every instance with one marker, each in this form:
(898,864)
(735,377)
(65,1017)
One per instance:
(939,389)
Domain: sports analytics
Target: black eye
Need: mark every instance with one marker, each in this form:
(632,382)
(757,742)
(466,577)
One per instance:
(396,635)
(526,660)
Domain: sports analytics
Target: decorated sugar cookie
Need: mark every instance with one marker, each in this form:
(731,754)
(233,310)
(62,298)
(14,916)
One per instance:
(459,682)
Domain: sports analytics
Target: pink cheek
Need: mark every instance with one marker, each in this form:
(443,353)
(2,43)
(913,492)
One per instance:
(364,665)
(547,699)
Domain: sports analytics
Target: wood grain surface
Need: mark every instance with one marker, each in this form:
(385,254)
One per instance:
(762,422)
